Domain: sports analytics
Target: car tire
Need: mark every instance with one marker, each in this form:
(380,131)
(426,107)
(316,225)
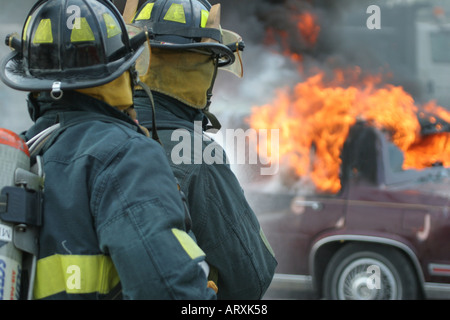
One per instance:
(369,272)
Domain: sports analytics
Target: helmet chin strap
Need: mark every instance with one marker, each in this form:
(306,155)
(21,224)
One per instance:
(150,96)
(215,124)
(128,14)
(212,22)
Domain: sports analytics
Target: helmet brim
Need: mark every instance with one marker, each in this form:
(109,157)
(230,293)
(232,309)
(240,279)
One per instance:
(14,74)
(226,56)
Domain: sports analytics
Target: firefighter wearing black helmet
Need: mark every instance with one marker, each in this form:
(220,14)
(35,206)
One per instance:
(188,48)
(113,226)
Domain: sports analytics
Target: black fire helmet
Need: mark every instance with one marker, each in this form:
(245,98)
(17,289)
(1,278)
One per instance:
(70,44)
(182,25)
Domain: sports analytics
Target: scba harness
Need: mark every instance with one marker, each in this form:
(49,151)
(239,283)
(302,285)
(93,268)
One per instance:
(21,204)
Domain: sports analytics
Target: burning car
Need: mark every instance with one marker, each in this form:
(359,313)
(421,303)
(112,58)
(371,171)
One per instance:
(360,207)
(384,235)
(368,188)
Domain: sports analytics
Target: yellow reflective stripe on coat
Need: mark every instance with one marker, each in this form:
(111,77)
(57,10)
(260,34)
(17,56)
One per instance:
(188,244)
(75,274)
(266,242)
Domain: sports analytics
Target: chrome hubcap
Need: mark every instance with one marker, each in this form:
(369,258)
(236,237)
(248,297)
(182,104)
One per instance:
(367,279)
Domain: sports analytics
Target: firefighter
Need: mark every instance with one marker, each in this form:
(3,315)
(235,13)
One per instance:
(113,224)
(188,47)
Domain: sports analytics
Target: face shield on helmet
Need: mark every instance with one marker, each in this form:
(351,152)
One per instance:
(188,48)
(143,61)
(235,43)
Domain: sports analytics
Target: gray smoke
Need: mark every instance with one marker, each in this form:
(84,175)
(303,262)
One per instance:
(344,41)
(266,69)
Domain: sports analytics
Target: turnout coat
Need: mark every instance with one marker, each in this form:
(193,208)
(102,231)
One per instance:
(223,223)
(113,219)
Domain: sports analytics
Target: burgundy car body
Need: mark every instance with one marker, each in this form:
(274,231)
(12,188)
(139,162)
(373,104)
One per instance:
(408,210)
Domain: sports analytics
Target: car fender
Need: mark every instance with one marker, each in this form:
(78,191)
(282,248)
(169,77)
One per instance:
(400,244)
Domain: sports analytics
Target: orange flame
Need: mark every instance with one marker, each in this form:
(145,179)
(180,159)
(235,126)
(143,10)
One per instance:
(315,116)
(308,27)
(314,119)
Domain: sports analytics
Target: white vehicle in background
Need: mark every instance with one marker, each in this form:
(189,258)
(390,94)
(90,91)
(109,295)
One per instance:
(412,43)
(433,54)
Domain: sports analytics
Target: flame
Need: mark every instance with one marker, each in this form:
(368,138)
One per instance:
(430,149)
(308,27)
(315,116)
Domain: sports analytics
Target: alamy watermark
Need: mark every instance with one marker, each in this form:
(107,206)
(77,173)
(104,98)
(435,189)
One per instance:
(374,280)
(243,147)
(73,21)
(373,22)
(240,145)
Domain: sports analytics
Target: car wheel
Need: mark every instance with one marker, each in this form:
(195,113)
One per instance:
(369,272)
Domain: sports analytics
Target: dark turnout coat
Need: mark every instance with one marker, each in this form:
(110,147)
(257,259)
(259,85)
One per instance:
(112,213)
(223,223)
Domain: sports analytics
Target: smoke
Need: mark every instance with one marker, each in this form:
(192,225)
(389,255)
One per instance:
(270,29)
(272,36)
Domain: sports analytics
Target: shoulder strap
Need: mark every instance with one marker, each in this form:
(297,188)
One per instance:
(36,143)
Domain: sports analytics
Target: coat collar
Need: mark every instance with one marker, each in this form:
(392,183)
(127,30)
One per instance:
(46,111)
(170,113)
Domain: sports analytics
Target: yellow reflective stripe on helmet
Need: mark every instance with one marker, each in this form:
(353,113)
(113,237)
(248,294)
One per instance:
(111,26)
(204,18)
(175,13)
(145,13)
(188,244)
(76,274)
(81,31)
(44,32)
(25,29)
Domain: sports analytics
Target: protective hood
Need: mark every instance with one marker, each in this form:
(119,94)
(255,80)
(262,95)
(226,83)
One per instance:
(117,93)
(183,75)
